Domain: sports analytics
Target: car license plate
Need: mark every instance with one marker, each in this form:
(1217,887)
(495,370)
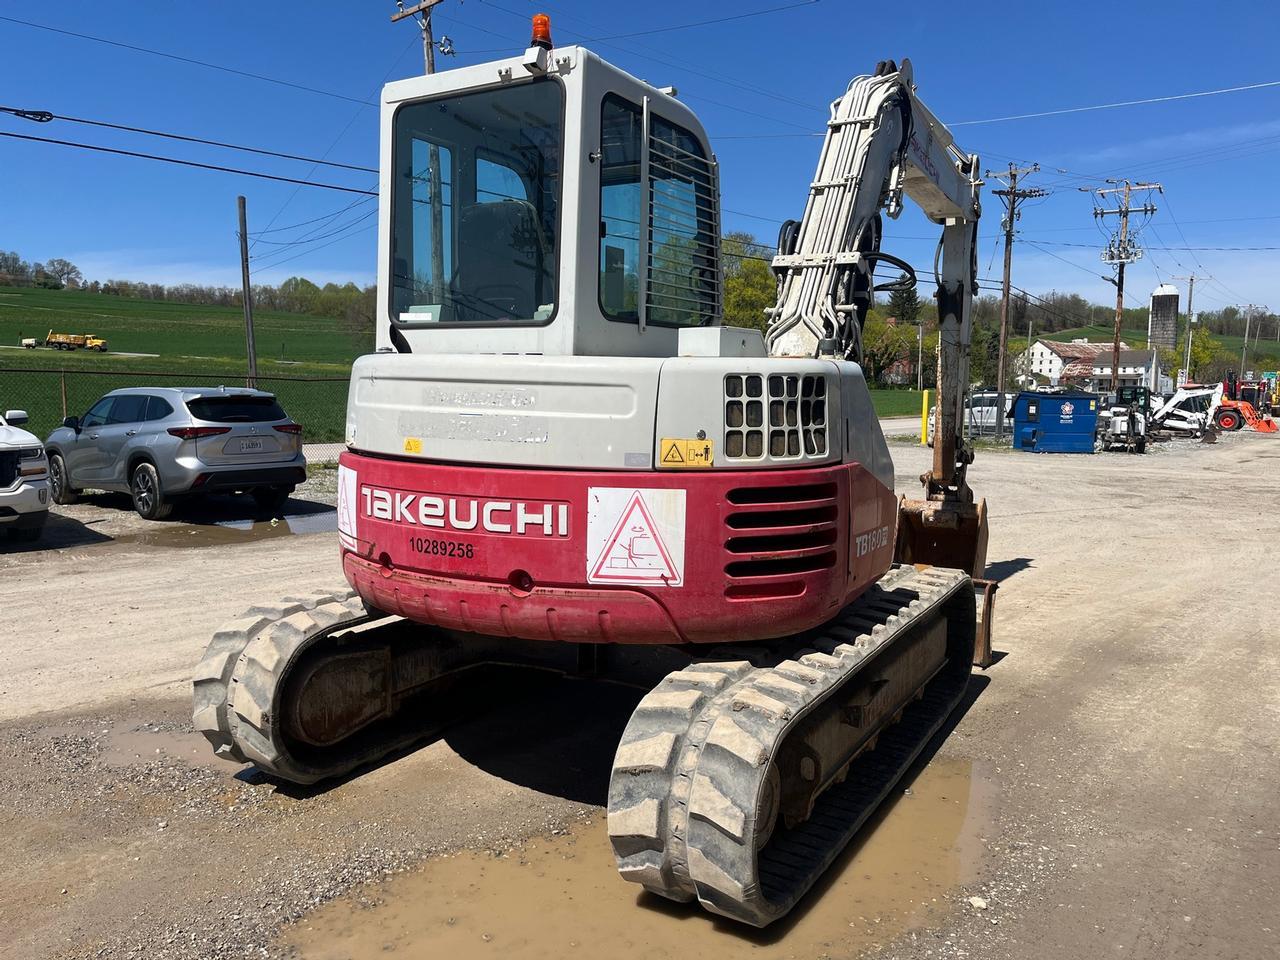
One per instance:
(250,446)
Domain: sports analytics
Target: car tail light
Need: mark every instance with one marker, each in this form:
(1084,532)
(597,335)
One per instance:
(294,428)
(194,433)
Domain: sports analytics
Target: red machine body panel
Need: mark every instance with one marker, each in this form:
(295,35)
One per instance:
(708,556)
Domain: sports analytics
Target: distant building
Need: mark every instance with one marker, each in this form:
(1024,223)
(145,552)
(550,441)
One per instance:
(1162,318)
(1138,368)
(1050,360)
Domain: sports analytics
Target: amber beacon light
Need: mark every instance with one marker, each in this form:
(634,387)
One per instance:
(541,31)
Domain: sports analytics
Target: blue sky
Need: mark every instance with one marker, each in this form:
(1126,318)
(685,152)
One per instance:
(759,84)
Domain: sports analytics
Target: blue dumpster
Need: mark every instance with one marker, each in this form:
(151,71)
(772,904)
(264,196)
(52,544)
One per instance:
(1055,422)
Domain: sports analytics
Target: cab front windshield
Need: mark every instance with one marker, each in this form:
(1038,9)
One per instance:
(475,207)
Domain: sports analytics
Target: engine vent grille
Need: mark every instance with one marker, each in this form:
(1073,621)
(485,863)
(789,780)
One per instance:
(782,415)
(8,468)
(778,532)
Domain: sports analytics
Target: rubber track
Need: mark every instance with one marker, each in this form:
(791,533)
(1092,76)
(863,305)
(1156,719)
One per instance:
(692,762)
(211,681)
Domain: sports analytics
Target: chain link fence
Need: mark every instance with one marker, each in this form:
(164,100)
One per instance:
(49,396)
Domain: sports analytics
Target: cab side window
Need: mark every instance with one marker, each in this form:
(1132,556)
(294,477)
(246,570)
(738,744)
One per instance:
(98,413)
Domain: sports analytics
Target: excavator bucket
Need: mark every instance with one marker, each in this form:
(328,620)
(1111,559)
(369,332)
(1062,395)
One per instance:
(942,539)
(957,540)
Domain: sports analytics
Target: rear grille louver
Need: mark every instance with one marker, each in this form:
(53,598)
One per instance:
(781,414)
(774,532)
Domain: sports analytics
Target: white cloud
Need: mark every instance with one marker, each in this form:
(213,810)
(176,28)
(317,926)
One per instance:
(156,266)
(1156,149)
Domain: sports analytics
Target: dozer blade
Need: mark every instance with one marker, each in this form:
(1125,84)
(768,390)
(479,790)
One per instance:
(951,538)
(738,782)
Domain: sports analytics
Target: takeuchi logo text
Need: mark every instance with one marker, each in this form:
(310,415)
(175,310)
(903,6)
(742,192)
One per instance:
(515,517)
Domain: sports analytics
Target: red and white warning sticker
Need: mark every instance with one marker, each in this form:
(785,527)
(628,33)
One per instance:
(635,536)
(347,507)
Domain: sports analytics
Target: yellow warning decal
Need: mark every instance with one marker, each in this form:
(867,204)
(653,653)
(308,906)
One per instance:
(677,453)
(412,445)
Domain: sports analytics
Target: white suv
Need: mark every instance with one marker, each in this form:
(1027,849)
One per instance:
(24,480)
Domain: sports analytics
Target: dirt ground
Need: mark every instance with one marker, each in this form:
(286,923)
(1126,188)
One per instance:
(1109,791)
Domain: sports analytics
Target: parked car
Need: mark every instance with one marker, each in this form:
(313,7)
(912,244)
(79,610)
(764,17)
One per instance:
(981,417)
(24,483)
(164,444)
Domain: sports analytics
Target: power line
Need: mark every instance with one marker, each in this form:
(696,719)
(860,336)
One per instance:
(190,60)
(1120,103)
(44,116)
(735,82)
(1162,246)
(322,236)
(333,144)
(275,263)
(187,163)
(648,31)
(303,223)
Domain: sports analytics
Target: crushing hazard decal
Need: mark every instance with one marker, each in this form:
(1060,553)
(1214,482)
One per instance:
(635,536)
(346,507)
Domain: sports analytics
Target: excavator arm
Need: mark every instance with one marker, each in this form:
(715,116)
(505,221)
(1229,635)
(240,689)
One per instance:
(882,144)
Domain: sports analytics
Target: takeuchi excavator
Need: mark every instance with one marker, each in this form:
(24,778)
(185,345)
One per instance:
(558,457)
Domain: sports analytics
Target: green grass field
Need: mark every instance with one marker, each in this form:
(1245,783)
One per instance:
(896,403)
(172,330)
(196,346)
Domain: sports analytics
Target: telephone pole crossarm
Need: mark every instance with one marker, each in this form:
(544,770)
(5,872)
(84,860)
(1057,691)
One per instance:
(1121,250)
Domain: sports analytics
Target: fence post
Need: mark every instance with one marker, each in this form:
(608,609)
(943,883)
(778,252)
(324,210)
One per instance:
(62,377)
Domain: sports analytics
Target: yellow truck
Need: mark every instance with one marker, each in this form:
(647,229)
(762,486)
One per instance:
(74,341)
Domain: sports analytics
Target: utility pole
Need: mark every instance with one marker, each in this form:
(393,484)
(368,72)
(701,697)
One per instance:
(1011,196)
(247,296)
(1121,250)
(422,13)
(920,354)
(1248,316)
(1191,317)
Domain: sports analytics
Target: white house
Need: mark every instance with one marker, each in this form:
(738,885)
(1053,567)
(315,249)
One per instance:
(1137,368)
(1050,358)
(1088,366)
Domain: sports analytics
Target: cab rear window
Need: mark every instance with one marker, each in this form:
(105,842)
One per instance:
(236,409)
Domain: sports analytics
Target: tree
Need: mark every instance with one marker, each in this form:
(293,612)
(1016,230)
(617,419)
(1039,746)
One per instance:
(1205,351)
(749,284)
(68,273)
(14,271)
(884,344)
(904,304)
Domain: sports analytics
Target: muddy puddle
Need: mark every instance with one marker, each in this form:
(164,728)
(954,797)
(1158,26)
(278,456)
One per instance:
(223,532)
(561,896)
(127,743)
(126,746)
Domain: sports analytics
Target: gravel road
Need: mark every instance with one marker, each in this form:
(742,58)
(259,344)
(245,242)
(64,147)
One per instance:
(1121,754)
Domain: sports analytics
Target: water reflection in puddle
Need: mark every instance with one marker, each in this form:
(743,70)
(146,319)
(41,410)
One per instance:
(222,532)
(559,897)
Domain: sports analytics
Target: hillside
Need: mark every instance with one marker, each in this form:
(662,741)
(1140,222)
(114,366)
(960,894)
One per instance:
(172,330)
(1265,354)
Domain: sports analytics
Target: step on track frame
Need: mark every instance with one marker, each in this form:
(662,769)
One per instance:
(691,779)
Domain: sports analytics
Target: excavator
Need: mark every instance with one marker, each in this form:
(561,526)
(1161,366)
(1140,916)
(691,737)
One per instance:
(559,458)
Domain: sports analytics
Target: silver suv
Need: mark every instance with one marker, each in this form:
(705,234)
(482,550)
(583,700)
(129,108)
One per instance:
(162,444)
